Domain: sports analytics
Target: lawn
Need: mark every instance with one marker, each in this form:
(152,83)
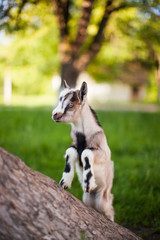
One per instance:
(134,139)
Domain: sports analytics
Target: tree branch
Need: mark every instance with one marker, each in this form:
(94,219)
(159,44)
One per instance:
(11,5)
(5,9)
(87,6)
(33,206)
(95,45)
(62,12)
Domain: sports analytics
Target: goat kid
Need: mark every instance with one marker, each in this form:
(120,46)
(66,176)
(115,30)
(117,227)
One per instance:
(89,150)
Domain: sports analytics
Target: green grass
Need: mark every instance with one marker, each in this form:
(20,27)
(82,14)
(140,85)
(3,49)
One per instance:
(134,139)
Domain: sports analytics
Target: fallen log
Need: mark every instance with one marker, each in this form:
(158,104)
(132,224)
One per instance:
(34,206)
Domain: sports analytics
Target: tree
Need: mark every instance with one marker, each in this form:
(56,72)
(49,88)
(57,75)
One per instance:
(33,206)
(75,53)
(143,36)
(124,56)
(150,35)
(73,58)
(82,25)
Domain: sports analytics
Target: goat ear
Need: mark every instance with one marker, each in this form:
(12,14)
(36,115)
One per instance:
(65,84)
(83,90)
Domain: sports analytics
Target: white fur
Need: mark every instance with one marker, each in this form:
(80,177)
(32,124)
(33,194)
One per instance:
(68,176)
(79,171)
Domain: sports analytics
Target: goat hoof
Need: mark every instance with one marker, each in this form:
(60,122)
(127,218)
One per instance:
(63,184)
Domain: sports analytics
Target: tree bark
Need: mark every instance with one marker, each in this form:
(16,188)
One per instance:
(69,73)
(33,206)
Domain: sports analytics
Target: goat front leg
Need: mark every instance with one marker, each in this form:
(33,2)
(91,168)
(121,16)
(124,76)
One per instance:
(89,183)
(68,174)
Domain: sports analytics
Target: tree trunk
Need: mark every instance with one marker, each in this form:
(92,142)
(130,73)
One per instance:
(70,74)
(33,206)
(135,93)
(158,76)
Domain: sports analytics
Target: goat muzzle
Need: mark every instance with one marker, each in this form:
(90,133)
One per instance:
(56,116)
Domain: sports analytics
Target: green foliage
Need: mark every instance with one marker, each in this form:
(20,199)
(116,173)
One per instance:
(152,93)
(134,142)
(33,54)
(132,42)
(126,41)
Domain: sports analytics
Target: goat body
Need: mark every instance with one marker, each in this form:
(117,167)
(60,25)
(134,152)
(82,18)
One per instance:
(89,150)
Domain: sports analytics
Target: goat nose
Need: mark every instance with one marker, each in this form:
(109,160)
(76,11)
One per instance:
(54,115)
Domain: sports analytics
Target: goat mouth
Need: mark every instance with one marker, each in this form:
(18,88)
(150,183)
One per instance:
(56,119)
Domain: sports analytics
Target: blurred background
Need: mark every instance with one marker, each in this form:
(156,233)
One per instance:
(113,45)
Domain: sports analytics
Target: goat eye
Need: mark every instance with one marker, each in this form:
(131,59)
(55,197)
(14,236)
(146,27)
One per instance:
(70,104)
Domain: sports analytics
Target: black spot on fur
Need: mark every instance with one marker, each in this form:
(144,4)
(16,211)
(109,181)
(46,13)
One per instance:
(65,110)
(81,145)
(88,177)
(95,116)
(87,165)
(74,97)
(66,96)
(67,167)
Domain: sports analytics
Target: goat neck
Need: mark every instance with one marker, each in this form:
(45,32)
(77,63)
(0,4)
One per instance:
(86,123)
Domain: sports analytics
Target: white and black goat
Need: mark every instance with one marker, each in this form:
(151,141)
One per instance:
(89,150)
